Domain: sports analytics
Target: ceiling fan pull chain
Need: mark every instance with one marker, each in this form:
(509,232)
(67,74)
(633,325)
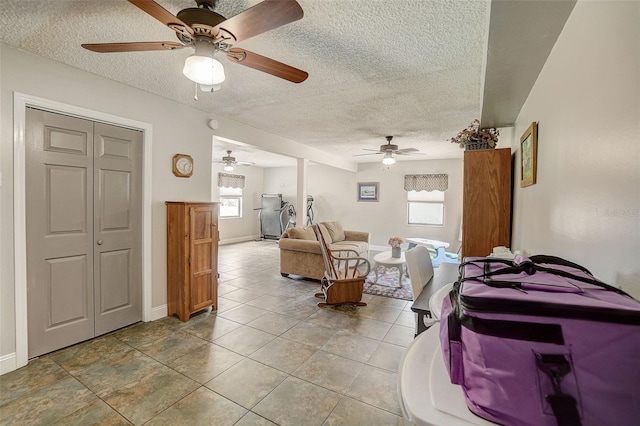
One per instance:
(195,97)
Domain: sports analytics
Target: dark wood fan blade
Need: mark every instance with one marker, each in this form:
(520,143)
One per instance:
(264,64)
(164,16)
(132,47)
(265,16)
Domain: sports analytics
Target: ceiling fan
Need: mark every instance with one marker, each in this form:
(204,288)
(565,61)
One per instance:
(388,150)
(209,32)
(230,161)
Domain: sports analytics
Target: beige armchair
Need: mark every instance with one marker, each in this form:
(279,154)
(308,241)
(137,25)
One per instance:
(300,250)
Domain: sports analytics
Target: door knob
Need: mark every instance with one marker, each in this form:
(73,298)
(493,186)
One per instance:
(99,242)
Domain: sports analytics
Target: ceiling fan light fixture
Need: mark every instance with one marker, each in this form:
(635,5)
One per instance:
(388,159)
(228,167)
(202,67)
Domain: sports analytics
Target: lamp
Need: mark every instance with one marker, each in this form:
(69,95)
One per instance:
(228,167)
(201,67)
(388,159)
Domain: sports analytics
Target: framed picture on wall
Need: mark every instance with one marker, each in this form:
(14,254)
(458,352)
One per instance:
(368,191)
(529,155)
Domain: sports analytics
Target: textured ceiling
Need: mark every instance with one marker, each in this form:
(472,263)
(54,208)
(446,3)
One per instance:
(408,68)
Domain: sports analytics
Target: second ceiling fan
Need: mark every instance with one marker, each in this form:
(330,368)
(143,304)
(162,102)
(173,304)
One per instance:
(229,162)
(209,32)
(388,150)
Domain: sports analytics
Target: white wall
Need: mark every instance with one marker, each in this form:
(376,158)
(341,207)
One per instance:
(586,204)
(335,198)
(245,228)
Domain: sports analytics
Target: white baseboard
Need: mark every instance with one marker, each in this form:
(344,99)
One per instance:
(8,363)
(239,239)
(159,312)
(379,248)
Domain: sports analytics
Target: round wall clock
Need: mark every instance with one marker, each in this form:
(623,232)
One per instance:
(182,165)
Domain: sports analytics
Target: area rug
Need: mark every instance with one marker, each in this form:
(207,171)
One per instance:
(388,284)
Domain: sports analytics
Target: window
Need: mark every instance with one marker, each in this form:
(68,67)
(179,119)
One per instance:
(425,208)
(230,202)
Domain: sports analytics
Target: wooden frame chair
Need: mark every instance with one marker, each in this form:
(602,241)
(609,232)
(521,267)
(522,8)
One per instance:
(344,275)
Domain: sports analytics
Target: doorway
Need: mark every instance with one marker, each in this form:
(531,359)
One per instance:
(84,229)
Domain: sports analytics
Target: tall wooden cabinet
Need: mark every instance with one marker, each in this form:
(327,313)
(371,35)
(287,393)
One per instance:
(486,201)
(192,257)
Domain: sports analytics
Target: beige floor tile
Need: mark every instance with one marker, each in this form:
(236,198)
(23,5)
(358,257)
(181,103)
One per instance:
(376,387)
(47,404)
(202,407)
(389,302)
(387,357)
(143,333)
(224,288)
(205,363)
(243,295)
(367,327)
(225,305)
(399,335)
(86,354)
(95,413)
(380,313)
(28,380)
(244,340)
(350,412)
(252,419)
(309,334)
(282,354)
(329,371)
(269,302)
(243,314)
(407,319)
(352,346)
(173,346)
(296,402)
(114,373)
(247,382)
(274,323)
(212,327)
(141,400)
(330,318)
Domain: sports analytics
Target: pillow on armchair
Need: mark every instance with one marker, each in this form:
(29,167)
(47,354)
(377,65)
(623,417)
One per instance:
(335,230)
(302,233)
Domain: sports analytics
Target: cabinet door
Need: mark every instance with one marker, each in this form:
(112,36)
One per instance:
(486,220)
(202,259)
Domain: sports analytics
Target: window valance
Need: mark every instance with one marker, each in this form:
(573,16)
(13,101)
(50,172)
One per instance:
(430,182)
(230,181)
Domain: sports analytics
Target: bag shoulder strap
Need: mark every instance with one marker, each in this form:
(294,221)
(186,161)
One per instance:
(532,265)
(554,260)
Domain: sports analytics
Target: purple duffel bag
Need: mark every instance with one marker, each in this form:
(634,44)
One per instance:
(539,341)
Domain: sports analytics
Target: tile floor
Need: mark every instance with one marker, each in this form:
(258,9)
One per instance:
(269,355)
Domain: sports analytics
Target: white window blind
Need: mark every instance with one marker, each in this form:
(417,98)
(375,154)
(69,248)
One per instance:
(230,202)
(425,208)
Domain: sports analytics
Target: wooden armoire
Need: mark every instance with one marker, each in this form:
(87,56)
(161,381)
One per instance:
(192,257)
(486,201)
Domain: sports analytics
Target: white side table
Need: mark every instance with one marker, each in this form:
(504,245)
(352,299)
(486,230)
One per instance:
(385,260)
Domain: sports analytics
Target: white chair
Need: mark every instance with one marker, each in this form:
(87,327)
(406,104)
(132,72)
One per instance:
(420,268)
(420,272)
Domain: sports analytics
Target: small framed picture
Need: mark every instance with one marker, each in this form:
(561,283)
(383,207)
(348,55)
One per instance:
(368,191)
(529,155)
